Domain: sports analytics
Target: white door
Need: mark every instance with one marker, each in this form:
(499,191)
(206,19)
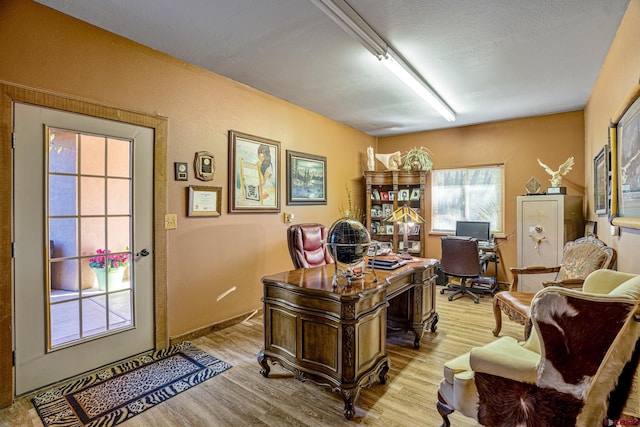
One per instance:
(83,244)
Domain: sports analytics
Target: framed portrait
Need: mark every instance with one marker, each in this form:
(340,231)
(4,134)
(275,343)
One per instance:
(306,179)
(415,194)
(403,194)
(254,174)
(204,201)
(624,141)
(601,181)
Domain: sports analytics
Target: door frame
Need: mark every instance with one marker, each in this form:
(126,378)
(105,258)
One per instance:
(10,93)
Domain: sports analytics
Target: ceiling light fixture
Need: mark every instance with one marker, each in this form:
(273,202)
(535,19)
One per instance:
(349,20)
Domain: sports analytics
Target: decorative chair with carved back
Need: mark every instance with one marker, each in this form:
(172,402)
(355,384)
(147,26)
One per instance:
(307,245)
(579,258)
(572,370)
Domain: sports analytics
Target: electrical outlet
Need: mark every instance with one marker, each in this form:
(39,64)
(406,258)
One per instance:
(170,221)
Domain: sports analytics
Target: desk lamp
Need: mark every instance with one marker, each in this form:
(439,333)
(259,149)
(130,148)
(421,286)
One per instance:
(407,217)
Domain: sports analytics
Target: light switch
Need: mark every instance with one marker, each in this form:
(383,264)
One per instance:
(170,221)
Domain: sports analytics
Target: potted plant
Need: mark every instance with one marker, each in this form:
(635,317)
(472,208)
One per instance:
(109,268)
(418,159)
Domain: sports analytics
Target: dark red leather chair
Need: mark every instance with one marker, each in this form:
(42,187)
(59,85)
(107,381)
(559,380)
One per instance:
(306,245)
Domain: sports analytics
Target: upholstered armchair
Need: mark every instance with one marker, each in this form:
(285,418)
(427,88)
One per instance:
(563,374)
(307,245)
(579,258)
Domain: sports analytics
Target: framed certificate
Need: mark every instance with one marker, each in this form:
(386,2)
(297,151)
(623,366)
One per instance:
(204,200)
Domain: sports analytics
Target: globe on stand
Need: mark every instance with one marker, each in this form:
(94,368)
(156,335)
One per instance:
(348,242)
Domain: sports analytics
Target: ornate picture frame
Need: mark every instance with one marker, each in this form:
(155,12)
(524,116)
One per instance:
(254,174)
(624,140)
(306,179)
(601,181)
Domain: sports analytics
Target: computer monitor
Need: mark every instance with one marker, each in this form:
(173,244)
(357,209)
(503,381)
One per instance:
(478,229)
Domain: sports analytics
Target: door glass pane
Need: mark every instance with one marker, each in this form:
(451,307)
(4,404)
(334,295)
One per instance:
(90,288)
(119,161)
(94,316)
(120,309)
(62,195)
(63,231)
(64,276)
(92,196)
(93,155)
(68,314)
(118,196)
(62,152)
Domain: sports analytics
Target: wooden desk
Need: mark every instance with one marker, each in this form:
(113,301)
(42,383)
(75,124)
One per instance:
(336,337)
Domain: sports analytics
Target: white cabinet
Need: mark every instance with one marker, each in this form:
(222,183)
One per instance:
(545,224)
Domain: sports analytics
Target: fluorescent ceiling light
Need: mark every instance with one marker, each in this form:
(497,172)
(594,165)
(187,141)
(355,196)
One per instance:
(409,77)
(349,20)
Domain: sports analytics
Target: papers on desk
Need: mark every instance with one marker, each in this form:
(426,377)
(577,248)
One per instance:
(386,264)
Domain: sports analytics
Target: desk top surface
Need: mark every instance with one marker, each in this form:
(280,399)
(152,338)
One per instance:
(320,279)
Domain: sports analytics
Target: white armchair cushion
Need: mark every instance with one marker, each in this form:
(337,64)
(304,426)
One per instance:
(507,358)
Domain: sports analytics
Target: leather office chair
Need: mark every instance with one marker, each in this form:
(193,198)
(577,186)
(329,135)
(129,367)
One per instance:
(579,258)
(306,245)
(461,259)
(564,374)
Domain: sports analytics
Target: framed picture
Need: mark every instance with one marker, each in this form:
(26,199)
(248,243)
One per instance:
(384,195)
(306,179)
(254,174)
(204,200)
(415,194)
(625,162)
(601,181)
(375,194)
(403,194)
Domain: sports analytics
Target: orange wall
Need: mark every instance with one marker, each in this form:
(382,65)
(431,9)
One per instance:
(44,49)
(515,143)
(618,75)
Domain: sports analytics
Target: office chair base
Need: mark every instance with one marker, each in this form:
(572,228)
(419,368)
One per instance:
(459,290)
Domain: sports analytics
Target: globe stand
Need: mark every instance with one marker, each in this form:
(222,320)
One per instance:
(351,273)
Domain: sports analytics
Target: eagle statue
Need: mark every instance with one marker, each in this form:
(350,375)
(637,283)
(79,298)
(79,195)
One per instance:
(556,176)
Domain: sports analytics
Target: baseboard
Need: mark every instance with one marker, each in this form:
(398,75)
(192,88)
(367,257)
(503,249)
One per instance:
(200,332)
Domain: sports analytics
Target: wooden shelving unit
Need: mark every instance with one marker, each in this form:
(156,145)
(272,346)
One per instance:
(385,192)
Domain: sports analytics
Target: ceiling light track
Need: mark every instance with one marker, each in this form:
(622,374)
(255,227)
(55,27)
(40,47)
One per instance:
(349,20)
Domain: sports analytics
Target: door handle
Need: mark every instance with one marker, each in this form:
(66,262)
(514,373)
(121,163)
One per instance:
(143,252)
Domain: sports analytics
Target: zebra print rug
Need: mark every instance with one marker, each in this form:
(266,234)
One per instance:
(115,394)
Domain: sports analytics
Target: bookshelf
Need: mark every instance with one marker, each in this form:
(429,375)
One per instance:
(385,192)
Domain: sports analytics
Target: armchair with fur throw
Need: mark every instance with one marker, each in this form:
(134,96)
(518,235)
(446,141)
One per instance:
(565,371)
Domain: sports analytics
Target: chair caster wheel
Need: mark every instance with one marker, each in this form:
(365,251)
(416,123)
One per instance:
(476,301)
(450,299)
(441,291)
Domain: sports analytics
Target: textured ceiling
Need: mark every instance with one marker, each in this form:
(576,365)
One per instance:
(489,59)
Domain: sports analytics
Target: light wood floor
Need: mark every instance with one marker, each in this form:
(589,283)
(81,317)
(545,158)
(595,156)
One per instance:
(242,397)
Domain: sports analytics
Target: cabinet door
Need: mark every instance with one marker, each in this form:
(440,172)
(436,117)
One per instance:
(540,230)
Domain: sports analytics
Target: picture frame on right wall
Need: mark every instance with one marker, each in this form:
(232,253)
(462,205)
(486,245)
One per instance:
(601,181)
(624,129)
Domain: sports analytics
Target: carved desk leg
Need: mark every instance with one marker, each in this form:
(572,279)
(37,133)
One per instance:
(262,360)
(382,374)
(349,396)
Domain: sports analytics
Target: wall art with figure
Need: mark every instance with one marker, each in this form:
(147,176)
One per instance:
(254,173)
